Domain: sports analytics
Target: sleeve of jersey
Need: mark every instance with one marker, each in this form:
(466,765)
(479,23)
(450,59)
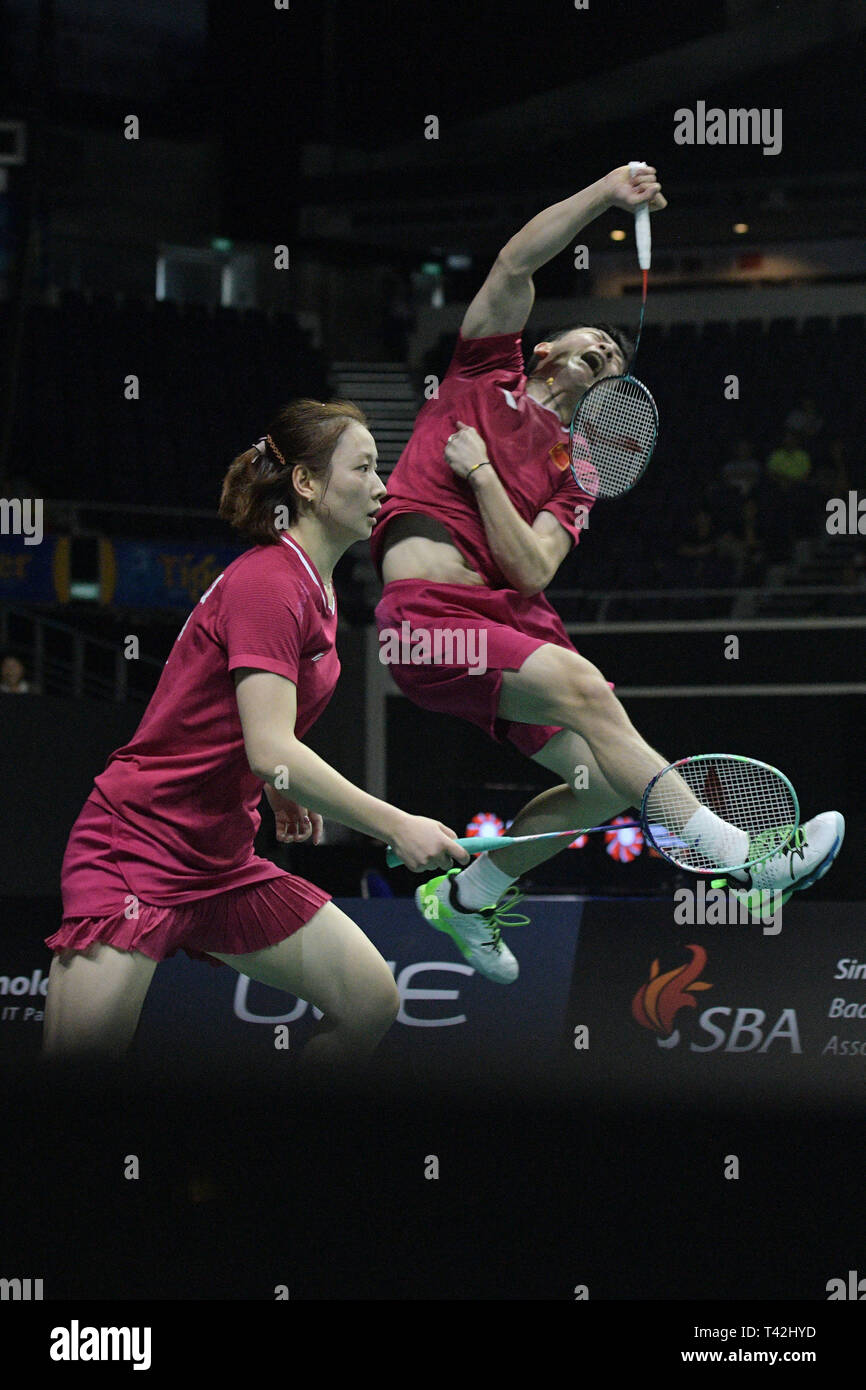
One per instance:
(571,507)
(263,623)
(475,356)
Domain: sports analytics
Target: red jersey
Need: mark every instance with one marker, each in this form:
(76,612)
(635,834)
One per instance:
(182,791)
(527,444)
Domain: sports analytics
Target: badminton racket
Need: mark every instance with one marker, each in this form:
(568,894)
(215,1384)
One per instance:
(744,793)
(615,424)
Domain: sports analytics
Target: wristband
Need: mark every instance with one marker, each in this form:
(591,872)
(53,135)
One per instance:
(478,465)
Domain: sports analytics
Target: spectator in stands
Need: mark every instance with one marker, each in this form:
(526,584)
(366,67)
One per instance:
(789,465)
(701,564)
(805,421)
(743,471)
(13,679)
(742,547)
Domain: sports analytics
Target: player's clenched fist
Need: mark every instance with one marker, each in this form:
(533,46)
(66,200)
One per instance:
(628,191)
(465,450)
(426,844)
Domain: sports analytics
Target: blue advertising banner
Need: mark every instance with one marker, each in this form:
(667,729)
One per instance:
(161,575)
(33,572)
(615,997)
(452,1021)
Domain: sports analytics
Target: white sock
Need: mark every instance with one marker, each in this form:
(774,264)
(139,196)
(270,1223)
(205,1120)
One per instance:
(482,884)
(718,840)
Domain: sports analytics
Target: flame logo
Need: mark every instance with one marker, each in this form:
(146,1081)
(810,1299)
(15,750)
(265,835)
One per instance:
(658,1002)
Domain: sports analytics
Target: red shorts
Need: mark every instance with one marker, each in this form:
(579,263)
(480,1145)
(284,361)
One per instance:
(473,635)
(235,922)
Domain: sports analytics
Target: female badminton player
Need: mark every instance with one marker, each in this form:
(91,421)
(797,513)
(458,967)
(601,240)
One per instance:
(482,508)
(161,857)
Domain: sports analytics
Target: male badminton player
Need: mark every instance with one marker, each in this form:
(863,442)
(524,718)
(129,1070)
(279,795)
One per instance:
(161,857)
(482,508)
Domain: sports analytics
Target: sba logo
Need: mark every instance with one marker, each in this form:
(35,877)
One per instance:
(664,995)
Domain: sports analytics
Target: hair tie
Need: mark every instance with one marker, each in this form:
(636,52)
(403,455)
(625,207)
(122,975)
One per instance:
(275,450)
(260,446)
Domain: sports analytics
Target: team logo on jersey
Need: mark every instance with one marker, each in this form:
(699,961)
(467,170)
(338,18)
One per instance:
(559,454)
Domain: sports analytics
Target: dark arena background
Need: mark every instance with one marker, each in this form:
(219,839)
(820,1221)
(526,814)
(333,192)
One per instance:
(207,210)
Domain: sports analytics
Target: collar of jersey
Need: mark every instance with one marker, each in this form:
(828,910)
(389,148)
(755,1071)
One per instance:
(310,567)
(548,408)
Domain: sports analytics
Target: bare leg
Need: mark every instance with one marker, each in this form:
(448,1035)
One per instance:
(556,686)
(334,966)
(560,808)
(94,1001)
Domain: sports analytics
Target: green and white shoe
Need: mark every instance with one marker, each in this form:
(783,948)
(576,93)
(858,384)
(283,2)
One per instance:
(806,858)
(476,934)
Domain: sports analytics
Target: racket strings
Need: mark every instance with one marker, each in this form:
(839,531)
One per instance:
(746,795)
(613,436)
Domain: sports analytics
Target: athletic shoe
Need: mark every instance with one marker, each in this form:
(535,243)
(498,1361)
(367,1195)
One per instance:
(476,934)
(806,858)
(758,901)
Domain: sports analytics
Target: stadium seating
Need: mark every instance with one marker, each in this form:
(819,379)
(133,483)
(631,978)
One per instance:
(208,382)
(207,386)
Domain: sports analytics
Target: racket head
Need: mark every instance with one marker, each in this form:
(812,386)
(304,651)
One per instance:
(613,435)
(752,795)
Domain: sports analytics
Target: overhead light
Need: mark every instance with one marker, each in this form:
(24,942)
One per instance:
(617,234)
(740,228)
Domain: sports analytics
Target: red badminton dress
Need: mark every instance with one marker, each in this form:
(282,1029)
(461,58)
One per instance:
(161,857)
(527,444)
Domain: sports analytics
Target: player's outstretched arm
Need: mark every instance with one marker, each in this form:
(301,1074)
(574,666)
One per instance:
(267,704)
(505,300)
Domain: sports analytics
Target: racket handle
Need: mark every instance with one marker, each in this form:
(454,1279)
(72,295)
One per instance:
(477,843)
(642,234)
